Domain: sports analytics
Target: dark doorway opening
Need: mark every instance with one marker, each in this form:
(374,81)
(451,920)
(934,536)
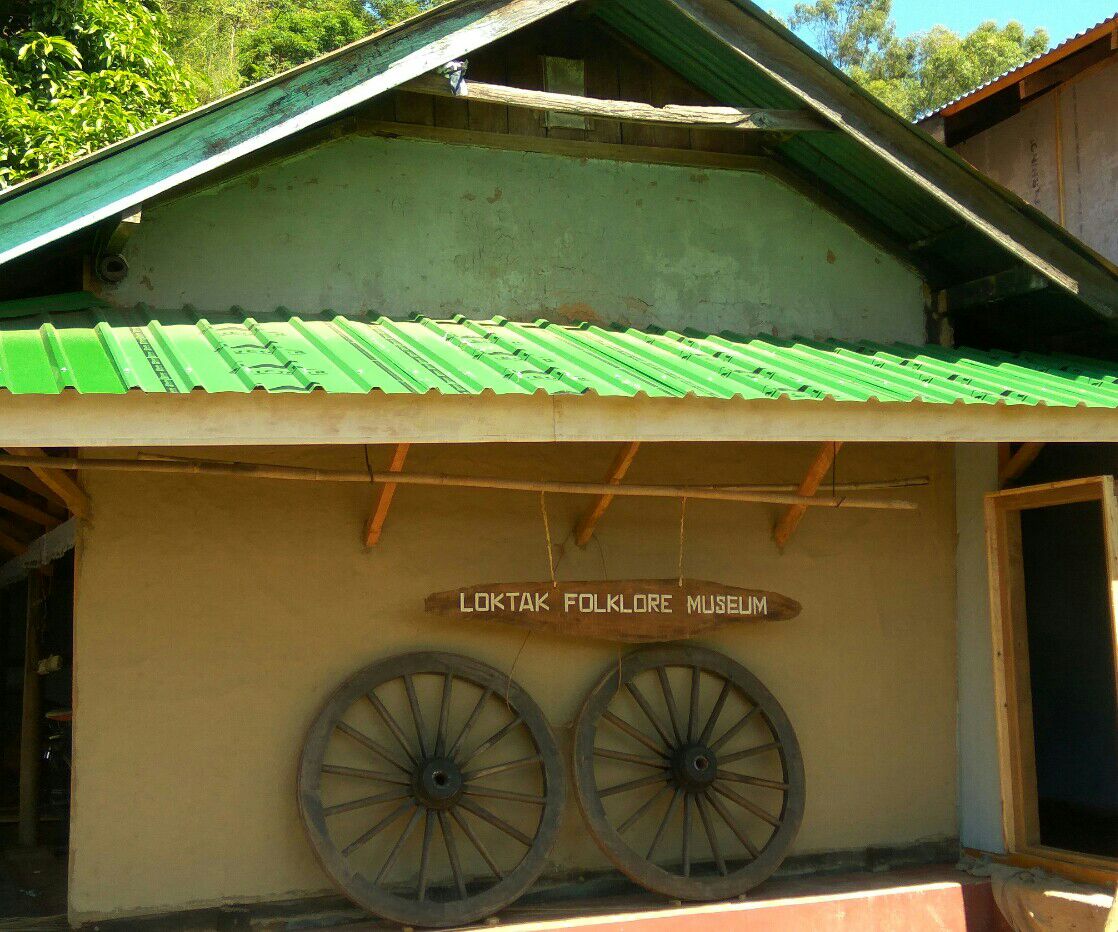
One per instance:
(37,612)
(1072,676)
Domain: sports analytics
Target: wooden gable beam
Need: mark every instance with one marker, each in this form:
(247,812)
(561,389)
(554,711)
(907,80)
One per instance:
(819,467)
(626,111)
(621,463)
(375,524)
(60,482)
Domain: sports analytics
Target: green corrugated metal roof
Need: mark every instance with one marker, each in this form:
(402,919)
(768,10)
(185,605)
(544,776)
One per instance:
(98,350)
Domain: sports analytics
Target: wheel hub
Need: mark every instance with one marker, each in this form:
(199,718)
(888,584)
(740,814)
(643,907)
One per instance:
(438,783)
(695,767)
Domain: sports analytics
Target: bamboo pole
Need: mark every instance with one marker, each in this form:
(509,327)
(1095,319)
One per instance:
(307,474)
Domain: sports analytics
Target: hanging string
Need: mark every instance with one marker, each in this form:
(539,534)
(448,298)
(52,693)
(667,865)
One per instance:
(682,518)
(554,583)
(547,538)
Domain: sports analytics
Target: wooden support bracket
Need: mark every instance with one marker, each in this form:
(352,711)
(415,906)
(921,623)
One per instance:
(621,463)
(1012,283)
(1012,464)
(122,232)
(819,467)
(60,482)
(695,117)
(376,520)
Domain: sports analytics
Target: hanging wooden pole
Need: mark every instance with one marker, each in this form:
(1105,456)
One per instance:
(31,725)
(302,473)
(621,463)
(819,467)
(376,520)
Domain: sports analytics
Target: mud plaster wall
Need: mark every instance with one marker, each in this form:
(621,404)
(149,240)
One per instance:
(1020,153)
(400,226)
(213,617)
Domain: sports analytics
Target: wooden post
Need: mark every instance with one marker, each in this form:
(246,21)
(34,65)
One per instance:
(31,726)
(823,461)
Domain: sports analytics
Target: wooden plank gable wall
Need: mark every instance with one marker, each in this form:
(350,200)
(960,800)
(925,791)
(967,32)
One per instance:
(614,70)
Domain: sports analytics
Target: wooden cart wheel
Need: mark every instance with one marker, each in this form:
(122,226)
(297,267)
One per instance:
(688,773)
(400,776)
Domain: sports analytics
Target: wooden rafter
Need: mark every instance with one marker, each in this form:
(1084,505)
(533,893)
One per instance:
(28,511)
(376,520)
(60,482)
(621,463)
(819,467)
(1012,463)
(626,111)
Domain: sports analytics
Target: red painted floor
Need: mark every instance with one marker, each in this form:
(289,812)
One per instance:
(935,899)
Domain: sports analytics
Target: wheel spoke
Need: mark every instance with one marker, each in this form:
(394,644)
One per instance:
(664,823)
(363,774)
(634,733)
(736,797)
(720,808)
(646,708)
(425,855)
(715,712)
(498,823)
(392,724)
(394,854)
(752,781)
(508,795)
(416,714)
(633,785)
(708,828)
(669,701)
(469,723)
(734,729)
(378,828)
(501,768)
(643,808)
(444,714)
(630,758)
(476,842)
(686,834)
(492,740)
(693,711)
(375,746)
(366,801)
(749,752)
(452,854)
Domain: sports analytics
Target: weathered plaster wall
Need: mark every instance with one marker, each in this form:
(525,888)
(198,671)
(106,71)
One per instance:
(400,226)
(213,617)
(1021,154)
(980,814)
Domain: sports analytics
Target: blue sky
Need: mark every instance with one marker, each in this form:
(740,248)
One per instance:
(1061,19)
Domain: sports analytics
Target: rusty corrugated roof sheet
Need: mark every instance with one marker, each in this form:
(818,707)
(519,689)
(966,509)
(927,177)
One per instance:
(98,350)
(1044,60)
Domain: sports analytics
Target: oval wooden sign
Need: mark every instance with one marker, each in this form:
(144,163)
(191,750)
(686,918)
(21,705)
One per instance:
(633,611)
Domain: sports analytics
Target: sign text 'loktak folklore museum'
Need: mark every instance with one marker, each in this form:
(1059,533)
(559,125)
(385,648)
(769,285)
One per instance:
(552,454)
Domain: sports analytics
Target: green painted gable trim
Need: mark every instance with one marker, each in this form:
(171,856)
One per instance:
(115,180)
(98,351)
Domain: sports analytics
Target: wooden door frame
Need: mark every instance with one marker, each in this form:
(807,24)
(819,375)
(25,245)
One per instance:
(1016,754)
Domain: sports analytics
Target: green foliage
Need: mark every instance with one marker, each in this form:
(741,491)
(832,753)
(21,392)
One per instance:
(295,32)
(76,75)
(917,73)
(225,44)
